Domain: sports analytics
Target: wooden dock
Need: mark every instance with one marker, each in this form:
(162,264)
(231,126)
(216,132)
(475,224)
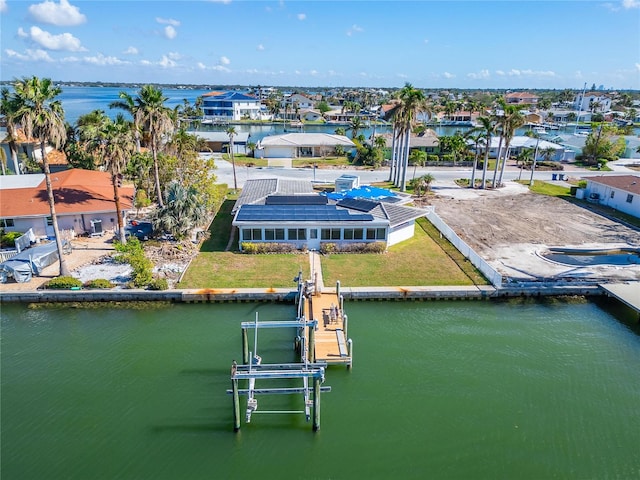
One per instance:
(628,293)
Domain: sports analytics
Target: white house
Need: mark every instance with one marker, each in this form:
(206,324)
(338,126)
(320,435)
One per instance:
(81,197)
(592,101)
(294,145)
(281,211)
(520,142)
(230,106)
(299,101)
(621,192)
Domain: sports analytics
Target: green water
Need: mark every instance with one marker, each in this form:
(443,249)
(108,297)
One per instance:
(467,390)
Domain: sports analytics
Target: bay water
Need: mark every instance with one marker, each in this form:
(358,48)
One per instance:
(497,390)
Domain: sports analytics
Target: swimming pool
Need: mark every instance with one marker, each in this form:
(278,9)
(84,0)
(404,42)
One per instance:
(586,257)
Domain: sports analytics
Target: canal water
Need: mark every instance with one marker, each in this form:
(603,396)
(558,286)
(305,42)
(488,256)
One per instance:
(495,390)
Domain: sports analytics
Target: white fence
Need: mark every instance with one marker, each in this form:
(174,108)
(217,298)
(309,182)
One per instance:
(7,254)
(487,270)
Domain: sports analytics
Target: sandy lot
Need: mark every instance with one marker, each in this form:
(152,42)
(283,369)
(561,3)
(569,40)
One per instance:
(511,227)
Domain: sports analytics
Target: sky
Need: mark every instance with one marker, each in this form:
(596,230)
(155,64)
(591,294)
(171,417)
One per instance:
(510,44)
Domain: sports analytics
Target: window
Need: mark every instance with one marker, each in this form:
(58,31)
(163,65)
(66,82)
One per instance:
(252,234)
(330,234)
(274,233)
(8,222)
(313,233)
(629,198)
(49,221)
(297,234)
(613,194)
(375,233)
(353,233)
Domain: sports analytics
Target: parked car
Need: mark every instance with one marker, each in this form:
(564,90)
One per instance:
(138,229)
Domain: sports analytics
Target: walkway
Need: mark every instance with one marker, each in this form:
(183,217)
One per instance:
(316,270)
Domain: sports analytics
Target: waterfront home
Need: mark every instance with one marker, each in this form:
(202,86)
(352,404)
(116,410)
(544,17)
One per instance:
(311,115)
(592,102)
(520,142)
(426,141)
(620,192)
(295,145)
(219,141)
(288,211)
(230,106)
(83,198)
(297,101)
(521,98)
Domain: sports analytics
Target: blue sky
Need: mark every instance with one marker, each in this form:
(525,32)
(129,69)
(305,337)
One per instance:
(431,44)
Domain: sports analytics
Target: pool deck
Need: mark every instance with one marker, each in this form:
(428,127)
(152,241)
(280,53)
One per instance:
(628,293)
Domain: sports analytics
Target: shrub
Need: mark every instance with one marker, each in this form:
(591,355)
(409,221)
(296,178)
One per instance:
(268,247)
(61,283)
(448,158)
(8,240)
(133,253)
(158,284)
(99,283)
(432,158)
(327,248)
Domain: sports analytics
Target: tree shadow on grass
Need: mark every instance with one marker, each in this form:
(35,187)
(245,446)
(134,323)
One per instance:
(220,229)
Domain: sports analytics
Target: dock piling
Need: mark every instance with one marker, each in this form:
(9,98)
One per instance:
(236,399)
(245,347)
(316,404)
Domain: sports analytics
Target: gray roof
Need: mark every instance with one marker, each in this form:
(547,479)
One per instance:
(396,214)
(255,191)
(29,180)
(299,213)
(240,137)
(305,140)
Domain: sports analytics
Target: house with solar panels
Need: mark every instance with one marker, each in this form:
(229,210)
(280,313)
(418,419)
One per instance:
(290,211)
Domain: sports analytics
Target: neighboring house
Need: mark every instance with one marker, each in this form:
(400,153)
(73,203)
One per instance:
(460,117)
(592,102)
(230,106)
(520,142)
(311,115)
(265,213)
(620,192)
(426,141)
(302,102)
(521,98)
(294,145)
(26,147)
(81,196)
(219,141)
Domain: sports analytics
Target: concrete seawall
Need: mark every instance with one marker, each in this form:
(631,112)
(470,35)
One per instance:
(288,296)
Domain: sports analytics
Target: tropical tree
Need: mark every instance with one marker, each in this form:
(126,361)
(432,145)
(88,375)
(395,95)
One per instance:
(513,119)
(356,125)
(42,117)
(340,131)
(524,158)
(155,119)
(417,157)
(231,131)
(182,211)
(476,135)
(488,126)
(422,184)
(9,107)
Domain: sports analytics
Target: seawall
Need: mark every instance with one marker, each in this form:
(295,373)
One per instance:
(288,296)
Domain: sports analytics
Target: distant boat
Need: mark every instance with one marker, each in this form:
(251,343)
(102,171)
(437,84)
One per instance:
(540,130)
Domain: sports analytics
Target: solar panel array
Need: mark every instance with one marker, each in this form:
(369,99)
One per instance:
(295,200)
(298,213)
(357,204)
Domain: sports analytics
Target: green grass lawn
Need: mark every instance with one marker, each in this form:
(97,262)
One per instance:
(425,259)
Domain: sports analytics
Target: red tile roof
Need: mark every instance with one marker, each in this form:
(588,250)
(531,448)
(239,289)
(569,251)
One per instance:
(75,191)
(628,183)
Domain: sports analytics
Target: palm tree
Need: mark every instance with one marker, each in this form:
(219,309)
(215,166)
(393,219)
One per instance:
(524,157)
(115,143)
(183,211)
(231,131)
(150,114)
(476,136)
(42,117)
(533,134)
(512,121)
(340,131)
(9,106)
(488,127)
(356,126)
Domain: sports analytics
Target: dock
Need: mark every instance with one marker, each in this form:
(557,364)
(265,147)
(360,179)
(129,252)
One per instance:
(628,293)
(321,339)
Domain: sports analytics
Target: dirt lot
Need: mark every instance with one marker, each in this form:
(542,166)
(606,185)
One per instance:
(509,228)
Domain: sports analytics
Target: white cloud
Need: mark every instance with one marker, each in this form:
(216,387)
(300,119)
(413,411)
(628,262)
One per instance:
(638,66)
(166,62)
(260,47)
(514,72)
(3,6)
(401,75)
(64,41)
(174,55)
(631,4)
(220,68)
(31,56)
(170,32)
(201,66)
(22,33)
(168,21)
(61,14)
(302,16)
(448,75)
(481,74)
(298,72)
(102,60)
(354,29)
(131,51)
(224,60)
(313,72)
(500,72)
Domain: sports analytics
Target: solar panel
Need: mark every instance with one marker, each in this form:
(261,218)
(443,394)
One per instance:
(298,213)
(295,200)
(357,204)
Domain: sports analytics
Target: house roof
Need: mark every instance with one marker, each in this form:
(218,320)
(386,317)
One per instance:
(395,214)
(239,137)
(628,183)
(230,95)
(305,140)
(255,191)
(429,138)
(76,191)
(299,213)
(520,95)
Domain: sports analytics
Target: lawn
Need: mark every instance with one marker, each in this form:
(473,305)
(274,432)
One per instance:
(425,259)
